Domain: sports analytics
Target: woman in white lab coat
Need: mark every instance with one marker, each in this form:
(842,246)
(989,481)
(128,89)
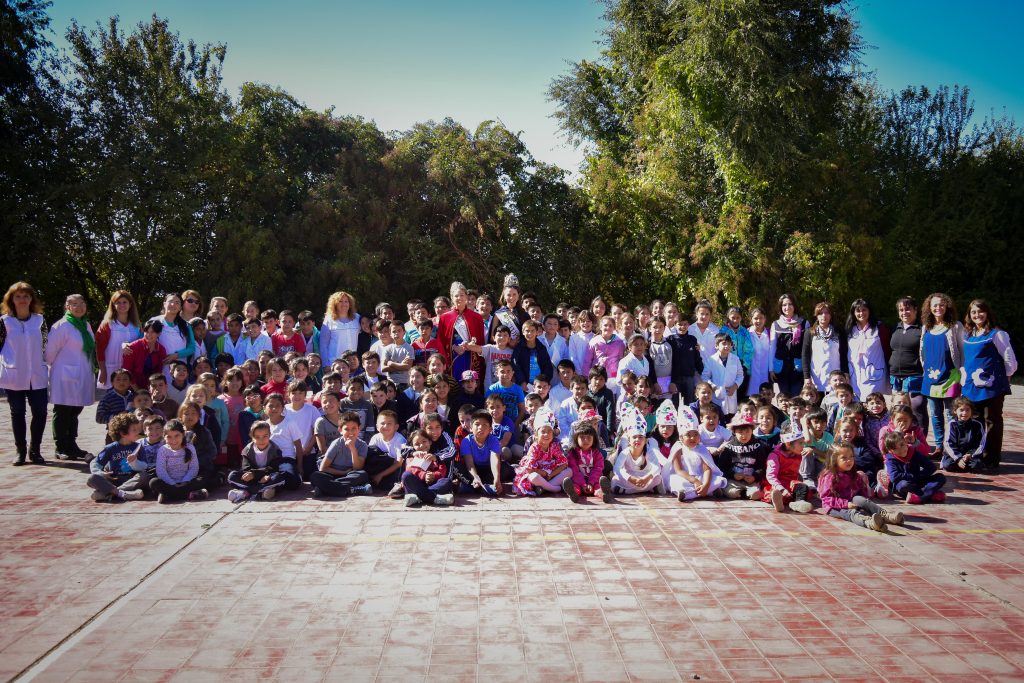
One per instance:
(23,368)
(71,355)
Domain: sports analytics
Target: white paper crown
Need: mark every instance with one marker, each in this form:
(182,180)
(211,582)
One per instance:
(666,414)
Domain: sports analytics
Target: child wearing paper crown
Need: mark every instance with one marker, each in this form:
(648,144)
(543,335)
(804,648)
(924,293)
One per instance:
(693,471)
(637,465)
(665,434)
(784,485)
(544,467)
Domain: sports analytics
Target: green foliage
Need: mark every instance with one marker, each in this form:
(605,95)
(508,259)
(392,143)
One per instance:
(740,144)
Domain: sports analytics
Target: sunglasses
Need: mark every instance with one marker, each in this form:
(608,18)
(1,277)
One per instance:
(191,301)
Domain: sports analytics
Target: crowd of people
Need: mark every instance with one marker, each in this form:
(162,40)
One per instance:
(471,395)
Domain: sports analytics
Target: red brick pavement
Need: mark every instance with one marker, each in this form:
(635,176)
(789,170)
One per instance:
(537,589)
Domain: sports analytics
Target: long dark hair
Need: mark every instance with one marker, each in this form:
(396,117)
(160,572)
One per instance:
(179,319)
(851,322)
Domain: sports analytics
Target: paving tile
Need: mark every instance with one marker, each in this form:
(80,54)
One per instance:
(541,590)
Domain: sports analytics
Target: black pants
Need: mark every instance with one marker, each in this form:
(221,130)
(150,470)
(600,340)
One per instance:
(991,411)
(332,485)
(65,429)
(175,491)
(36,400)
(687,386)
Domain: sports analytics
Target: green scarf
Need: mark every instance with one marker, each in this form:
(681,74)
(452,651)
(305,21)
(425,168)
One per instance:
(88,343)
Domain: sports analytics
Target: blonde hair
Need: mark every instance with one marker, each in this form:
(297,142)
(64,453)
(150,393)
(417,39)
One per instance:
(332,305)
(7,306)
(133,310)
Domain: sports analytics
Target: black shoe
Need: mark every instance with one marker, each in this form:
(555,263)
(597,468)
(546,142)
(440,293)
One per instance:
(19,461)
(36,457)
(800,492)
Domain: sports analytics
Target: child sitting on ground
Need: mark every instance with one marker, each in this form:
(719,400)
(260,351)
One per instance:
(694,473)
(544,466)
(964,448)
(426,479)
(845,492)
(115,471)
(260,475)
(743,460)
(177,468)
(783,473)
(586,461)
(911,473)
(341,471)
(816,448)
(638,468)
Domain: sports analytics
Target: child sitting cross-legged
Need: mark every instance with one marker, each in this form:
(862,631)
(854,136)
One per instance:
(911,474)
(481,457)
(694,473)
(544,467)
(845,492)
(638,467)
(341,471)
(260,475)
(743,459)
(116,470)
(177,468)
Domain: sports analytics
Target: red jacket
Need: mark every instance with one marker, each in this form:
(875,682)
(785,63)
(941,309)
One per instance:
(135,361)
(446,326)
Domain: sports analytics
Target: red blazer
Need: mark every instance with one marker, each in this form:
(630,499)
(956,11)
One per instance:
(446,326)
(136,360)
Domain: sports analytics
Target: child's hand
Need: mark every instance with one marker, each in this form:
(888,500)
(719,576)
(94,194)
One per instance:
(807,451)
(477,482)
(498,488)
(248,476)
(265,479)
(430,478)
(132,458)
(731,389)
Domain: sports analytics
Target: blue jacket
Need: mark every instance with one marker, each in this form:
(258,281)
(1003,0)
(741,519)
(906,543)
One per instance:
(521,362)
(918,470)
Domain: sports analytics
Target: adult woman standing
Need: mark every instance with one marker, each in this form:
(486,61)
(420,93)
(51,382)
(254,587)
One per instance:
(23,367)
(191,304)
(456,327)
(824,348)
(905,372)
(119,328)
(176,335)
(71,355)
(340,331)
(510,314)
(989,362)
(942,352)
(761,340)
(786,352)
(868,342)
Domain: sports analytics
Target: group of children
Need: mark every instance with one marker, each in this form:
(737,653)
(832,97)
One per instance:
(264,414)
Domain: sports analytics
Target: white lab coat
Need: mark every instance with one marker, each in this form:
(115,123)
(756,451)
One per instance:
(722,375)
(22,366)
(72,382)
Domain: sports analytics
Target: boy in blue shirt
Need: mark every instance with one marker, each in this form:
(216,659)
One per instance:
(510,393)
(504,429)
(481,456)
(114,471)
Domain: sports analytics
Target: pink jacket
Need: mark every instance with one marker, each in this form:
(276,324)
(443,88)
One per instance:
(586,467)
(607,354)
(922,440)
(836,491)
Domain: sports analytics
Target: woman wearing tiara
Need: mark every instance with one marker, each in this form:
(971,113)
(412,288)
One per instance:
(511,314)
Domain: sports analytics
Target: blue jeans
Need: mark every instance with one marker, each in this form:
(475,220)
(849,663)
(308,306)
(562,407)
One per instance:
(941,410)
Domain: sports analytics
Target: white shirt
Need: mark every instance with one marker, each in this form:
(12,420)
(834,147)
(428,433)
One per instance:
(285,434)
(705,339)
(392,448)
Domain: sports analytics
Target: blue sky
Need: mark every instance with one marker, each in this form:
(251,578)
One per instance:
(398,62)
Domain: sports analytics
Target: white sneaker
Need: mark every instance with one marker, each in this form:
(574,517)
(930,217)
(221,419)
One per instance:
(100,497)
(412,500)
(754,492)
(397,491)
(133,495)
(268,494)
(237,495)
(444,499)
(779,500)
(801,506)
(732,492)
